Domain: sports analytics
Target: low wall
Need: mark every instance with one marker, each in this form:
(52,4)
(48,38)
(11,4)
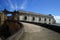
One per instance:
(17,35)
(7,32)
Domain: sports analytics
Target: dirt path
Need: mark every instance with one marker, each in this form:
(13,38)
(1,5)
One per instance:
(34,32)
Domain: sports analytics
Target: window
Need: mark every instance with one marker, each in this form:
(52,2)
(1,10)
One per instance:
(39,19)
(49,19)
(9,14)
(33,18)
(25,18)
(45,19)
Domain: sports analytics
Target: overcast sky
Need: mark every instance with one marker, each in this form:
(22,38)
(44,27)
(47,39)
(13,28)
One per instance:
(38,6)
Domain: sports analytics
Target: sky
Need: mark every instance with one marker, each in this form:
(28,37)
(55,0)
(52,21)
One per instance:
(38,6)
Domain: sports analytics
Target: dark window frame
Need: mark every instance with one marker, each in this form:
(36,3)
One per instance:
(25,17)
(49,19)
(33,18)
(44,19)
(39,18)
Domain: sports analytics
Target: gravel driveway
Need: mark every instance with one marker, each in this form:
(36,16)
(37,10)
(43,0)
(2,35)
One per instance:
(34,32)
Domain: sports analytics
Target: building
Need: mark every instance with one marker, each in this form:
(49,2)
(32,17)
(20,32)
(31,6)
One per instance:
(34,17)
(26,16)
(3,17)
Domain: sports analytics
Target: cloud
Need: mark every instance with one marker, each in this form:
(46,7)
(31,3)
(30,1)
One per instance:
(10,2)
(57,18)
(23,5)
(16,6)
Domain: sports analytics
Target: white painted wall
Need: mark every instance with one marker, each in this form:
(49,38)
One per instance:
(51,21)
(37,19)
(47,20)
(42,20)
(21,17)
(29,18)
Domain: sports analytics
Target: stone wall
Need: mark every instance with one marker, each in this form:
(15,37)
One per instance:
(3,17)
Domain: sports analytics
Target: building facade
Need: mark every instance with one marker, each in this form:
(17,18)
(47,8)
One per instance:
(3,17)
(34,17)
(26,16)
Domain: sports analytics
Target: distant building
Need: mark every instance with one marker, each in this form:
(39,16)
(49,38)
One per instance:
(3,17)
(34,17)
(26,16)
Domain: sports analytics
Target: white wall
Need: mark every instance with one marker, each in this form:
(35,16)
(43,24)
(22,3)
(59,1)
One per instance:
(42,20)
(47,20)
(37,19)
(29,18)
(21,17)
(51,21)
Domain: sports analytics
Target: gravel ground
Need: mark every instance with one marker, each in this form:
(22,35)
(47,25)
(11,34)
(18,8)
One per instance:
(34,32)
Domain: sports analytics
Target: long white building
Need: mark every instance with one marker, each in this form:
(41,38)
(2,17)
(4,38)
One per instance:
(28,16)
(34,17)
